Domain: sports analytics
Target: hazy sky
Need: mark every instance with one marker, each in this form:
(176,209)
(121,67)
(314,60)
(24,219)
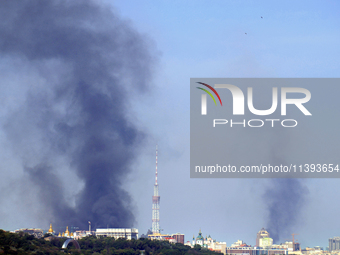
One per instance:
(200,39)
(207,39)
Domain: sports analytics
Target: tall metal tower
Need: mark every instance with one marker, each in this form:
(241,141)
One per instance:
(155,204)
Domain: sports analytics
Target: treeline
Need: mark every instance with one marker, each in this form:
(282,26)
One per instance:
(21,243)
(107,245)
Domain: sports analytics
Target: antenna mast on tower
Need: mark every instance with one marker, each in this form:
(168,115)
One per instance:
(155,203)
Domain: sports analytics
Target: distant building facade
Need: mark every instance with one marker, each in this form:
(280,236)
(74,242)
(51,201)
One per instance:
(178,237)
(255,251)
(213,245)
(159,236)
(261,234)
(334,243)
(199,239)
(317,250)
(238,243)
(36,232)
(174,238)
(67,233)
(79,234)
(127,233)
(208,243)
(265,242)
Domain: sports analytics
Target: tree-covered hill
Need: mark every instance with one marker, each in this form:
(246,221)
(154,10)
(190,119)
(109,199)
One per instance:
(21,243)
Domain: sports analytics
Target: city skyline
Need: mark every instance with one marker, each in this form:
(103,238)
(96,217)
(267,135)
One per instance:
(263,240)
(161,45)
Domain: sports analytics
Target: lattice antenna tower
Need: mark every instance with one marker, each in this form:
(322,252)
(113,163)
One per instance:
(155,202)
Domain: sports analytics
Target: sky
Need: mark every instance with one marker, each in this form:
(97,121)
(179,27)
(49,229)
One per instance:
(207,39)
(179,40)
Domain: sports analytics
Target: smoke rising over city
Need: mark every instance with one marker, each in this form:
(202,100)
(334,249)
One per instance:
(75,64)
(284,200)
(75,74)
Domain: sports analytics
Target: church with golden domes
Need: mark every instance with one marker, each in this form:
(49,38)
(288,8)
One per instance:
(50,231)
(67,233)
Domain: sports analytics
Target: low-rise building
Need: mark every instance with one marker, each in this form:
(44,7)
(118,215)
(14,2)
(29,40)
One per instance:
(36,232)
(238,243)
(158,236)
(178,237)
(255,251)
(127,233)
(319,251)
(208,243)
(79,234)
(265,242)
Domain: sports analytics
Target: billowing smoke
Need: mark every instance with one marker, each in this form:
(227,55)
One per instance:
(81,61)
(284,201)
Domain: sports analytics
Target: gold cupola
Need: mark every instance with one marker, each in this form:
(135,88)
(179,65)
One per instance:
(51,229)
(67,233)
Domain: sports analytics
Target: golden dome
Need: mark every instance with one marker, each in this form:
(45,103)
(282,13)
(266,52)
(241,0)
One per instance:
(51,229)
(67,232)
(59,234)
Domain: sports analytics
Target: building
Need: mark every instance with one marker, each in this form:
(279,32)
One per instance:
(261,234)
(297,252)
(170,239)
(158,236)
(334,244)
(36,232)
(127,233)
(79,234)
(254,251)
(265,242)
(287,246)
(296,247)
(178,237)
(208,243)
(313,251)
(67,234)
(238,243)
(219,247)
(199,239)
(213,245)
(174,238)
(50,230)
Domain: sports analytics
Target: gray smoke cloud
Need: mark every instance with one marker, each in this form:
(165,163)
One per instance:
(84,60)
(284,200)
(285,197)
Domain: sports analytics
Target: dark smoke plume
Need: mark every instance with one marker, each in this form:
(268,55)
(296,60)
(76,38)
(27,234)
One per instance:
(86,60)
(284,198)
(284,201)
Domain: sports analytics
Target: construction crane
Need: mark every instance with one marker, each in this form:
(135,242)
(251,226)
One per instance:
(293,235)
